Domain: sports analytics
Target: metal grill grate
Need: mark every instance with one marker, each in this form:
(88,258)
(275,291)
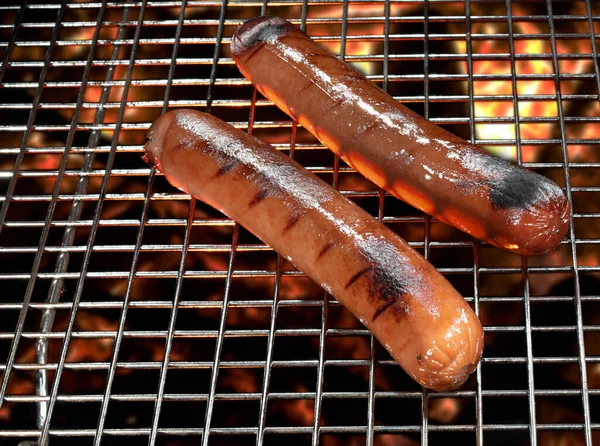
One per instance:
(132,314)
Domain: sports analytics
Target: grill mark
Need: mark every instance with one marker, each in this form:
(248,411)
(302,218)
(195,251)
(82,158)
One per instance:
(224,169)
(325,248)
(384,307)
(356,276)
(291,223)
(260,196)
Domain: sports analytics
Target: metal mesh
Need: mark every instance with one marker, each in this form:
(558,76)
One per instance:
(132,314)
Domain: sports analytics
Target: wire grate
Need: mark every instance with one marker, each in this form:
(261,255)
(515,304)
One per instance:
(133,314)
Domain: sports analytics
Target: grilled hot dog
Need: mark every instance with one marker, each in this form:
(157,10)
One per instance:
(411,308)
(413,159)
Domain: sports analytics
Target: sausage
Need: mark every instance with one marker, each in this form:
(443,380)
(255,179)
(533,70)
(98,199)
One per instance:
(414,312)
(413,159)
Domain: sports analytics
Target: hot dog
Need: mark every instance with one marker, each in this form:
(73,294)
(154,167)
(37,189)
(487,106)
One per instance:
(413,159)
(406,303)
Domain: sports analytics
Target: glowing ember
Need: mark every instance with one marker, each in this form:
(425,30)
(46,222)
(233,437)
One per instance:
(533,58)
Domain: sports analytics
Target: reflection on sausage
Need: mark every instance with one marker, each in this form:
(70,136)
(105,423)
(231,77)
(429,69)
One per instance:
(413,159)
(412,309)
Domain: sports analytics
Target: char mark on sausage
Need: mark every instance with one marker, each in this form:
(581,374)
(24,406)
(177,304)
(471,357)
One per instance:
(325,248)
(260,196)
(356,276)
(224,169)
(291,223)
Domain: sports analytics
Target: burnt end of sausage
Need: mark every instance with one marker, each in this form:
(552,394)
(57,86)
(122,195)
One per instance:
(258,30)
(519,188)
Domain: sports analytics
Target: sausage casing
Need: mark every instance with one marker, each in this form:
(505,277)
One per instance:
(406,303)
(413,159)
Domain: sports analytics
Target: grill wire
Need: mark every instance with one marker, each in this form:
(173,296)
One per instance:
(132,314)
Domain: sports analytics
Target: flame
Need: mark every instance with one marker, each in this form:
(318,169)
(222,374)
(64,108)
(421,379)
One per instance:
(92,350)
(589,130)
(445,410)
(300,412)
(296,288)
(240,380)
(80,350)
(533,64)
(92,95)
(394,440)
(549,411)
(353,47)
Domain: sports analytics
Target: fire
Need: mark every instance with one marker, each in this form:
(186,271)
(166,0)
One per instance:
(294,288)
(83,350)
(240,380)
(299,411)
(536,62)
(445,410)
(353,47)
(589,130)
(80,350)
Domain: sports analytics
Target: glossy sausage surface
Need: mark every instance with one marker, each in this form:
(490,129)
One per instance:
(406,303)
(413,159)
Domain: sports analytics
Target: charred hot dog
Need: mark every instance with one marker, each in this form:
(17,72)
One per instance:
(406,303)
(415,160)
